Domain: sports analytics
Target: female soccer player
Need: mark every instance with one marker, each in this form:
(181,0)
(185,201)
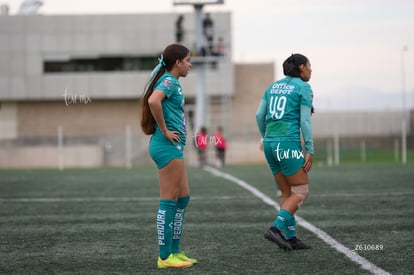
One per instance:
(163,118)
(285,110)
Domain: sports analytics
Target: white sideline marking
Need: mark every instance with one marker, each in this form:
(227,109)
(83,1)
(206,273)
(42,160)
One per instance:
(352,255)
(71,199)
(104,199)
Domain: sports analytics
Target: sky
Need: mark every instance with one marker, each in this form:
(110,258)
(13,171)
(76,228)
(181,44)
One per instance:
(361,51)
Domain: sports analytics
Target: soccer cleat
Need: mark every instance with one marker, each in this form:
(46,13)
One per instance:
(173,261)
(298,244)
(274,235)
(184,257)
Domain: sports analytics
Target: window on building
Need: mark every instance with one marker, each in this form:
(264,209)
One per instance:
(113,64)
(101,64)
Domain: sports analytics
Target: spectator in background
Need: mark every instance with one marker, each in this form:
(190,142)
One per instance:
(221,145)
(179,29)
(201,143)
(220,47)
(208,33)
(191,119)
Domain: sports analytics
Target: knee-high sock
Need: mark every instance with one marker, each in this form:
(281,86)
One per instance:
(178,223)
(165,218)
(281,219)
(290,231)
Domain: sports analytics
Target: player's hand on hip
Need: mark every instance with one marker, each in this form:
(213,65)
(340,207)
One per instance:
(308,163)
(172,136)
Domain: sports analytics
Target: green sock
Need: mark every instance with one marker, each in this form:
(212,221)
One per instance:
(281,219)
(290,231)
(165,219)
(178,223)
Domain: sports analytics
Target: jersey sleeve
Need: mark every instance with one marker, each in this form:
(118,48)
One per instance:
(305,117)
(261,117)
(306,95)
(166,86)
(262,112)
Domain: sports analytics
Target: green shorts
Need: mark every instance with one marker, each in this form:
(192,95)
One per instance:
(285,156)
(163,151)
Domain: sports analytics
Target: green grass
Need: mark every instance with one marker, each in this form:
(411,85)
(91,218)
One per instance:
(371,156)
(94,221)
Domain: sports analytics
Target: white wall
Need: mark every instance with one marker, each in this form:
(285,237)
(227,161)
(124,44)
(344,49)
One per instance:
(351,124)
(8,121)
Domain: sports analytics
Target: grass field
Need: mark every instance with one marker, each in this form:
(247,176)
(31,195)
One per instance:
(95,221)
(371,156)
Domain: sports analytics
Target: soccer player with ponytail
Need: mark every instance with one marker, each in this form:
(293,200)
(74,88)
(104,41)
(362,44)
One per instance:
(163,118)
(283,113)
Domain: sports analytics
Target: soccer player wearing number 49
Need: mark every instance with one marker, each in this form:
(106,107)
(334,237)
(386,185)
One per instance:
(284,111)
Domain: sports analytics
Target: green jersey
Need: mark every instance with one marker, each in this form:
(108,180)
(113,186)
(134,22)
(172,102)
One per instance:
(172,107)
(282,107)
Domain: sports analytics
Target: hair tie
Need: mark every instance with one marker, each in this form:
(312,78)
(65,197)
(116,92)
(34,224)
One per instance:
(161,60)
(154,72)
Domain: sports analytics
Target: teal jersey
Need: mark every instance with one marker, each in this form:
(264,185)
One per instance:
(284,99)
(172,107)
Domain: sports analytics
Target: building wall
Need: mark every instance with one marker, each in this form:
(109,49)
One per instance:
(8,120)
(251,80)
(94,134)
(98,118)
(28,41)
(97,111)
(352,124)
(47,156)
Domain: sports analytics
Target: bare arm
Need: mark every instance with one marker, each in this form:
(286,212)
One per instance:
(154,102)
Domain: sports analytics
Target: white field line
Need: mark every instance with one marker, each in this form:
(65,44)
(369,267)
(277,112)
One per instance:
(72,199)
(103,199)
(352,255)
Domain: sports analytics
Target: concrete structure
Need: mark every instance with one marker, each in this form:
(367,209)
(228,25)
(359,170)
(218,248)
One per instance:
(85,74)
(77,81)
(33,44)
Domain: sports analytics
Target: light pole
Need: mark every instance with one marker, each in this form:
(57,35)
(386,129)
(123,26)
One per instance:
(404,109)
(201,96)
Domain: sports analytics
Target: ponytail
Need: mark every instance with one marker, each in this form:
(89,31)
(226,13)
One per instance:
(166,61)
(147,120)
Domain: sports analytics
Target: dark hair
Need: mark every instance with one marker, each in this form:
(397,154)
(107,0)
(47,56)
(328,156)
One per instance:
(171,54)
(292,63)
(291,67)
